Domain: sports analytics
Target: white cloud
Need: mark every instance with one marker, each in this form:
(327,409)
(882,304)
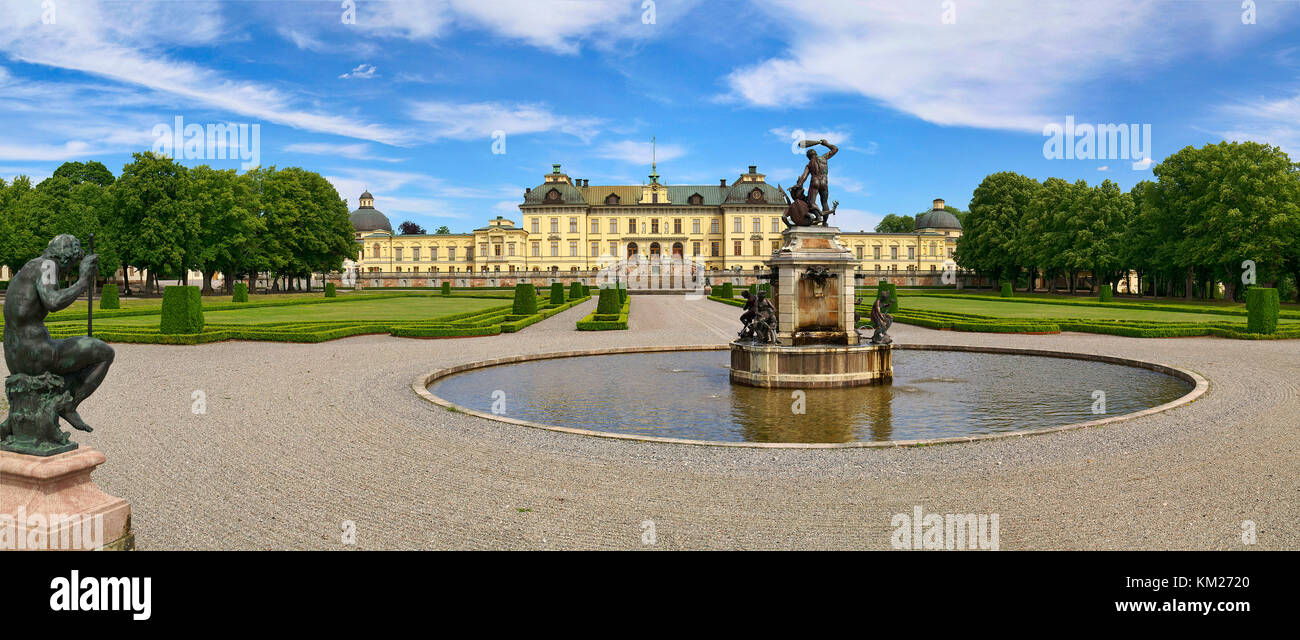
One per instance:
(480,120)
(360,72)
(855,219)
(1143,164)
(126,43)
(640,153)
(355,151)
(1270,120)
(1004,64)
(47,152)
(1104,167)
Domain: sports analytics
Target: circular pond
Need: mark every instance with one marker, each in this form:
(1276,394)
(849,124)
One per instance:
(687,395)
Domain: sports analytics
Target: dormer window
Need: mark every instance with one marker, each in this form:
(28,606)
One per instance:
(696,199)
(611,199)
(553,195)
(756,195)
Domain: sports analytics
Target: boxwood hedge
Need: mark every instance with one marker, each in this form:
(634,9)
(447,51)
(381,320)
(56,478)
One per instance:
(108,297)
(1262,310)
(182,310)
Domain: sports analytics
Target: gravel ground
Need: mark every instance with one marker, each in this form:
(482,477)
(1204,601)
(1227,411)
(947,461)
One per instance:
(298,439)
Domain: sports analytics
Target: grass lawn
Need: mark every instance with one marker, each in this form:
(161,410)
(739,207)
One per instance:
(1038,310)
(388,309)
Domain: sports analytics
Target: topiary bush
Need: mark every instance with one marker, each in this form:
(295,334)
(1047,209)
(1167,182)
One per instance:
(446,288)
(1104,293)
(622,295)
(330,290)
(1262,310)
(108,297)
(610,301)
(241,292)
(725,290)
(575,290)
(525,300)
(557,293)
(182,310)
(1006,289)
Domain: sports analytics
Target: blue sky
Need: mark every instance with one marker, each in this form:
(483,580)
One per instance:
(924,97)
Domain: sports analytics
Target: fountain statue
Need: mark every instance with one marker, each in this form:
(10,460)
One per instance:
(805,335)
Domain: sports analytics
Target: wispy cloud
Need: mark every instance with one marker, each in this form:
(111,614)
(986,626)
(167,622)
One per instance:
(356,151)
(638,152)
(360,72)
(480,120)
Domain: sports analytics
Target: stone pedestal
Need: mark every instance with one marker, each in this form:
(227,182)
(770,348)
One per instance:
(817,341)
(812,366)
(50,503)
(813,288)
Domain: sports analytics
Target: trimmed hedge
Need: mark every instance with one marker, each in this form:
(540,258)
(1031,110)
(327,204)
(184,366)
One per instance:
(1085,302)
(597,321)
(735,302)
(182,310)
(575,290)
(1006,290)
(724,290)
(557,293)
(525,300)
(241,292)
(1103,293)
(609,301)
(446,288)
(108,297)
(1262,310)
(330,291)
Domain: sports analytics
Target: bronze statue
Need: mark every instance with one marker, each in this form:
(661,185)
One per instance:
(799,212)
(881,319)
(759,318)
(48,378)
(818,176)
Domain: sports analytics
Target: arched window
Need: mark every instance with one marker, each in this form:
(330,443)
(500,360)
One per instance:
(611,199)
(696,199)
(375,250)
(756,195)
(553,195)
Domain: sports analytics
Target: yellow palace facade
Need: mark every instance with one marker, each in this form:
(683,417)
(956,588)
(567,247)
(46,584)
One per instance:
(569,227)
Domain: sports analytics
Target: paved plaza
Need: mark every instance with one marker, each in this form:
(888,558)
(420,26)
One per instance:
(298,439)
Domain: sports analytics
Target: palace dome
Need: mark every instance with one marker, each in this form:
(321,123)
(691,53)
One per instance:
(937,218)
(368,218)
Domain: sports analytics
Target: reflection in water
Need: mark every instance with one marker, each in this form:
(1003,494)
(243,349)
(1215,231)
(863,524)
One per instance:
(935,394)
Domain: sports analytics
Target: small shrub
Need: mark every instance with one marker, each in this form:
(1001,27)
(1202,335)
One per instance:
(575,290)
(330,290)
(108,297)
(557,293)
(725,290)
(1104,293)
(1006,289)
(1262,310)
(241,292)
(610,301)
(446,288)
(525,300)
(182,310)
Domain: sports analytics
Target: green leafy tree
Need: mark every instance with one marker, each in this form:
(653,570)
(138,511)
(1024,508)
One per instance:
(988,243)
(894,223)
(150,219)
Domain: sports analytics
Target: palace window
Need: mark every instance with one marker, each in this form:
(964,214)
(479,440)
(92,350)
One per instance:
(595,248)
(654,226)
(551,196)
(555,249)
(776,246)
(911,253)
(573,225)
(398,254)
(893,253)
(510,249)
(696,199)
(611,199)
(677,225)
(482,249)
(496,250)
(555,225)
(876,254)
(613,225)
(537,228)
(737,225)
(573,248)
(695,225)
(735,249)
(695,246)
(537,249)
(758,225)
(451,253)
(859,249)
(631,225)
(715,252)
(714,226)
(613,248)
(415,254)
(595,225)
(758,247)
(775,228)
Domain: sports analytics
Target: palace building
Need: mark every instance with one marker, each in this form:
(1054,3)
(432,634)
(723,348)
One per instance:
(569,226)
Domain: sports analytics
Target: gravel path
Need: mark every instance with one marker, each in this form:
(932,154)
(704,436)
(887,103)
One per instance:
(298,439)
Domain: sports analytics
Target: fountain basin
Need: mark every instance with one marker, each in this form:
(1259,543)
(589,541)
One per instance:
(822,366)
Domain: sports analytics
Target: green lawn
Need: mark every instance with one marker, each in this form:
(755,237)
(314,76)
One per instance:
(388,309)
(1038,310)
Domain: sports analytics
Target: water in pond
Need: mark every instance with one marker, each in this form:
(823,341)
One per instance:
(687,394)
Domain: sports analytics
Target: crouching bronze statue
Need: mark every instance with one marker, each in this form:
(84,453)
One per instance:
(759,318)
(48,378)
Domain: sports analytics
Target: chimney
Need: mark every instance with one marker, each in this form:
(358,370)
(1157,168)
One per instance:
(722,183)
(528,190)
(938,204)
(586,182)
(753,168)
(555,168)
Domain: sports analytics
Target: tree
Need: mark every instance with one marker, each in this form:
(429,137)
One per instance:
(80,173)
(443,231)
(228,222)
(409,228)
(150,219)
(894,223)
(1235,201)
(988,243)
